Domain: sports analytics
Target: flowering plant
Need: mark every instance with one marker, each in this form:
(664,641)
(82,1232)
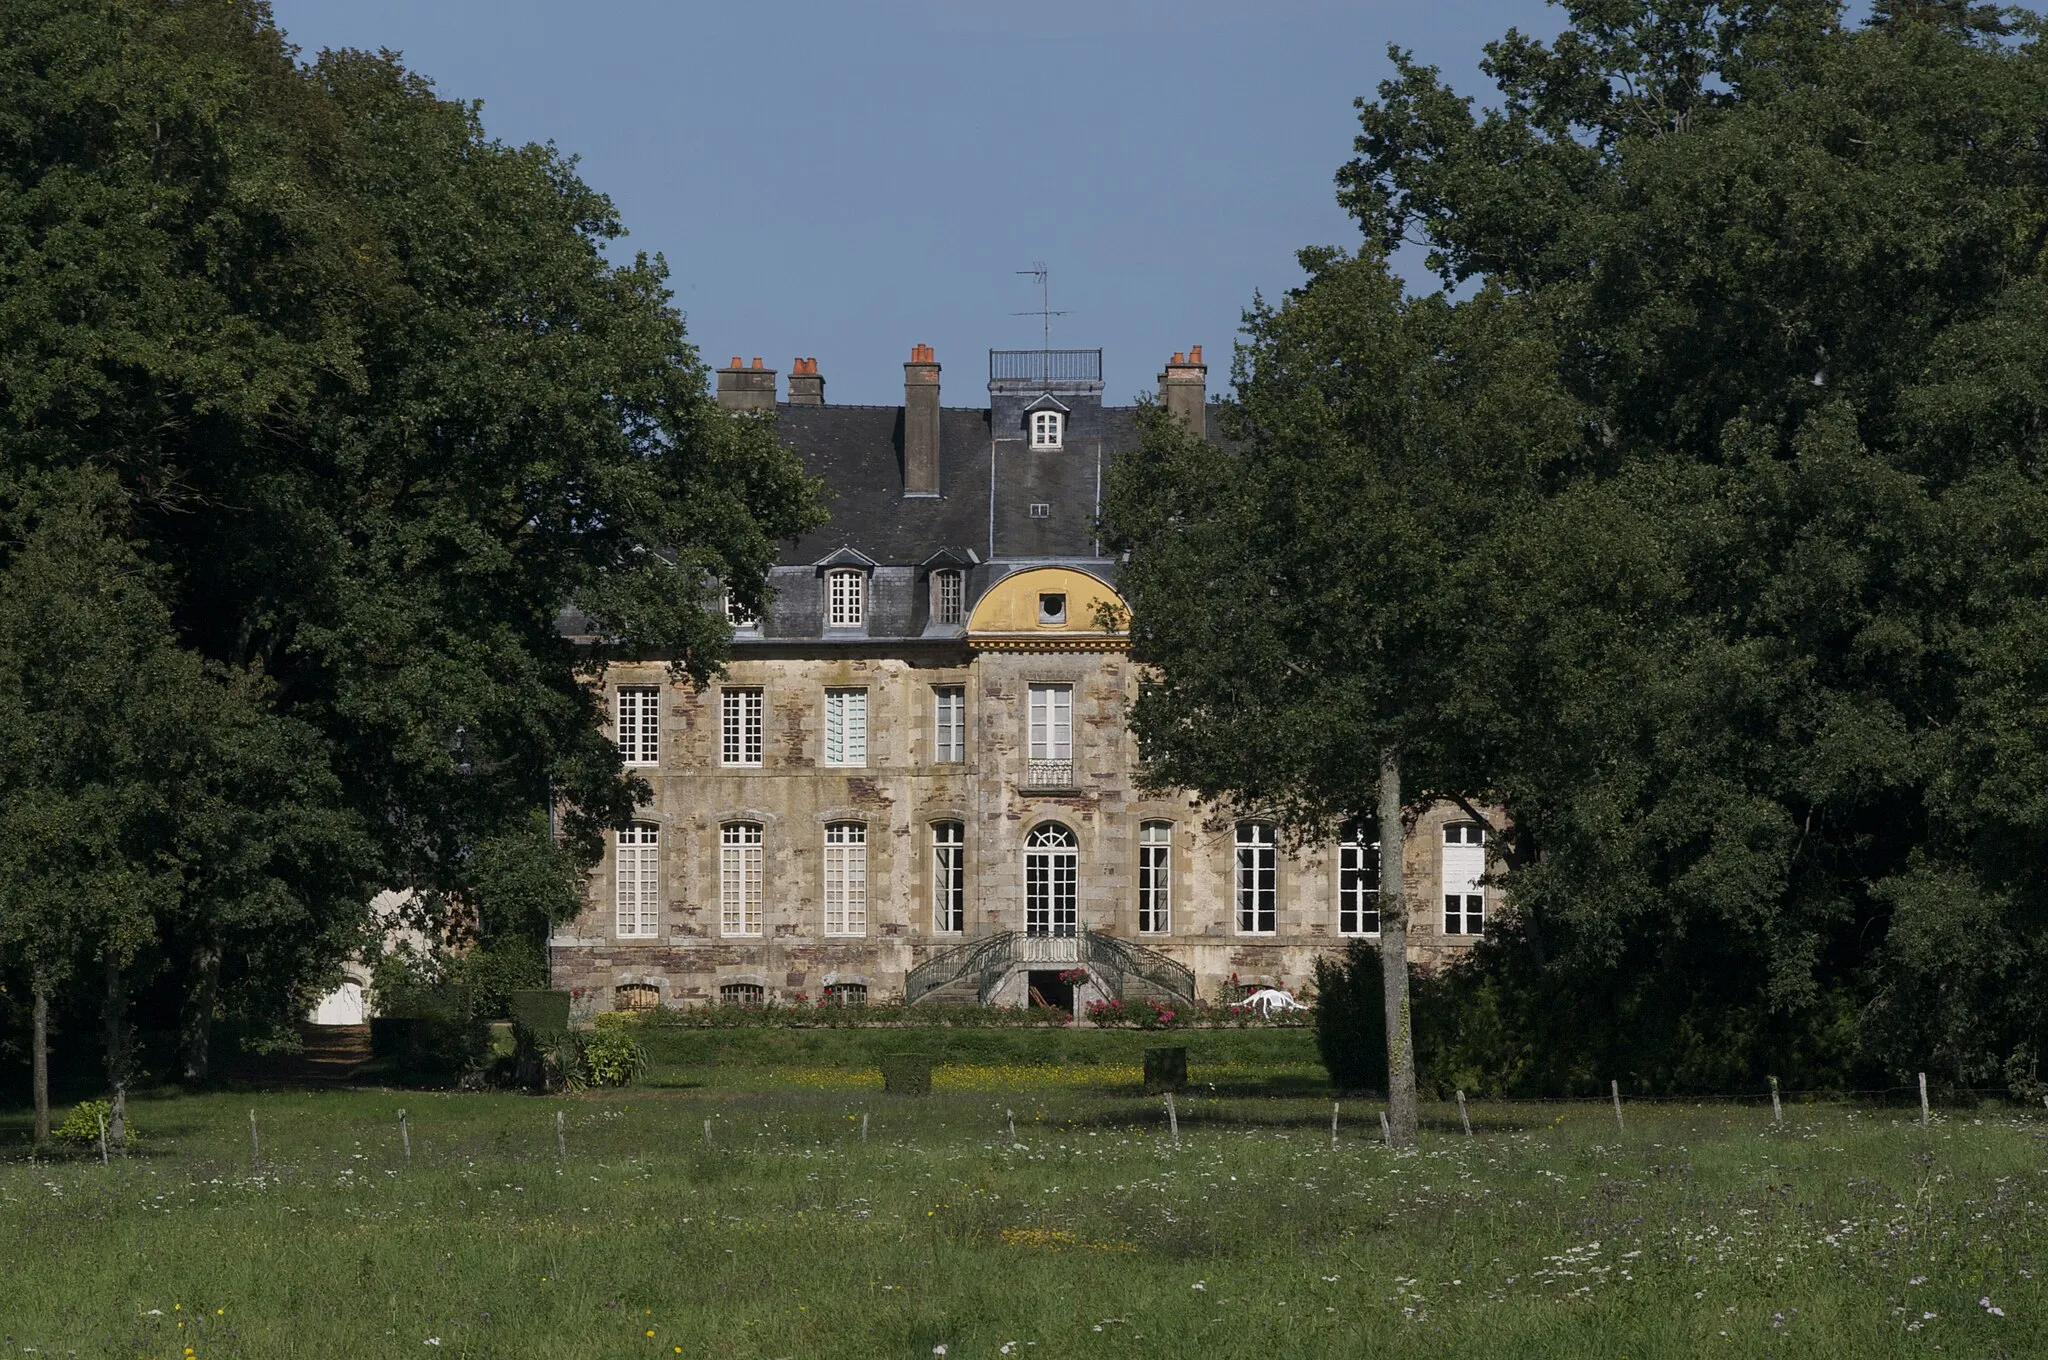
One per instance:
(1074,975)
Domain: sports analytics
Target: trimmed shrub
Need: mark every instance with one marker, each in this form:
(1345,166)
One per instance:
(907,1074)
(1166,1069)
(1351,1018)
(609,1056)
(82,1126)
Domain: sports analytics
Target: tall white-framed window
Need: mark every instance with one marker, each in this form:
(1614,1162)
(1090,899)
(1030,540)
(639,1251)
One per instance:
(949,596)
(1051,754)
(639,725)
(1464,866)
(1047,427)
(1257,878)
(949,877)
(637,881)
(1358,883)
(739,878)
(846,878)
(846,593)
(846,727)
(1155,878)
(1052,859)
(739,726)
(949,724)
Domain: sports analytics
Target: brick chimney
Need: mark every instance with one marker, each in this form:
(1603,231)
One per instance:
(806,387)
(921,423)
(746,389)
(1184,389)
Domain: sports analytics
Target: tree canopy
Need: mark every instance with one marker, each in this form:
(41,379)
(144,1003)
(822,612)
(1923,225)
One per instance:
(365,404)
(1728,428)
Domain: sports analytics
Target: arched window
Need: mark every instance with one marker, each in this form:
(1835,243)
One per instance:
(948,595)
(636,996)
(1046,429)
(949,877)
(1257,875)
(638,881)
(1155,878)
(1051,868)
(739,878)
(1358,883)
(846,593)
(846,878)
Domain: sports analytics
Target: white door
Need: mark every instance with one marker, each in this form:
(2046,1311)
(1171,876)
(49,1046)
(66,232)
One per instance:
(342,1006)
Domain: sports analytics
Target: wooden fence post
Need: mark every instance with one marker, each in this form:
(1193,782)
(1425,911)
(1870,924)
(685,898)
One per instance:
(1463,1117)
(255,1145)
(1777,1110)
(1173,1119)
(1386,1133)
(561,1137)
(1615,1087)
(1923,1100)
(405,1135)
(1333,1123)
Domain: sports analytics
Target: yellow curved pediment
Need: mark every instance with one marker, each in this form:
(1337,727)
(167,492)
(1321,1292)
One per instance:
(1015,612)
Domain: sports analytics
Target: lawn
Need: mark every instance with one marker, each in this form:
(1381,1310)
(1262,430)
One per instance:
(1696,1230)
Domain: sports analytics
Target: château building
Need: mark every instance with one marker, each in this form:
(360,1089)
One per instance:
(916,779)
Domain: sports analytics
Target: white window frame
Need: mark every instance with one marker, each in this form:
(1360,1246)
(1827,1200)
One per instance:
(949,724)
(1358,863)
(1462,870)
(738,616)
(949,595)
(949,878)
(740,884)
(1048,429)
(1258,879)
(846,879)
(740,725)
(636,882)
(638,725)
(845,743)
(1155,878)
(1052,863)
(846,598)
(1049,750)
(751,995)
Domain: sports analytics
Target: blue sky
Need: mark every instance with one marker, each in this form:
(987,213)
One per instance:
(846,179)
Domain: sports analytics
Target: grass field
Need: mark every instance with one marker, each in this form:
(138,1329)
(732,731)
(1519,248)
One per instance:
(1697,1231)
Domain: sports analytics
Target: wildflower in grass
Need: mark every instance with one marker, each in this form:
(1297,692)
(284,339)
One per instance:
(1988,1306)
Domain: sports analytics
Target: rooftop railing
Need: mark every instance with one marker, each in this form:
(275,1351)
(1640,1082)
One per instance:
(1045,365)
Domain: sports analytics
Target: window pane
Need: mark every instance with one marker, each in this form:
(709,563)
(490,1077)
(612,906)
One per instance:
(638,885)
(949,876)
(638,725)
(1155,878)
(740,727)
(739,878)
(846,879)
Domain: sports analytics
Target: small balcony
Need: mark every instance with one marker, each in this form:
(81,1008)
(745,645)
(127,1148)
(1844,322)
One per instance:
(1049,776)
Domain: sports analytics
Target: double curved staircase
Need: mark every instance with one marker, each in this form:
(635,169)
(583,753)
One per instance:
(971,973)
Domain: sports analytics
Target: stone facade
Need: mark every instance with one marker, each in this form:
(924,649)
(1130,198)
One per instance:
(686,933)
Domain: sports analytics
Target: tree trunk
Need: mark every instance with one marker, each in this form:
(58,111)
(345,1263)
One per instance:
(117,1054)
(1401,1114)
(40,1062)
(199,1023)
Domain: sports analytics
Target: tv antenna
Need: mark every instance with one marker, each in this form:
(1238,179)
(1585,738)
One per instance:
(1045,313)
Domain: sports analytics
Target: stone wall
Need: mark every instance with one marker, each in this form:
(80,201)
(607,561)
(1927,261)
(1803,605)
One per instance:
(898,795)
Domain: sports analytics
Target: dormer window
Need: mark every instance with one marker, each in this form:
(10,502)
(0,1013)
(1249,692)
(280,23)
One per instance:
(1047,429)
(737,614)
(846,591)
(948,595)
(1052,608)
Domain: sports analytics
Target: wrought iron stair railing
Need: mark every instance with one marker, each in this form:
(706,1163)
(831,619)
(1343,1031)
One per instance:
(970,961)
(1117,961)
